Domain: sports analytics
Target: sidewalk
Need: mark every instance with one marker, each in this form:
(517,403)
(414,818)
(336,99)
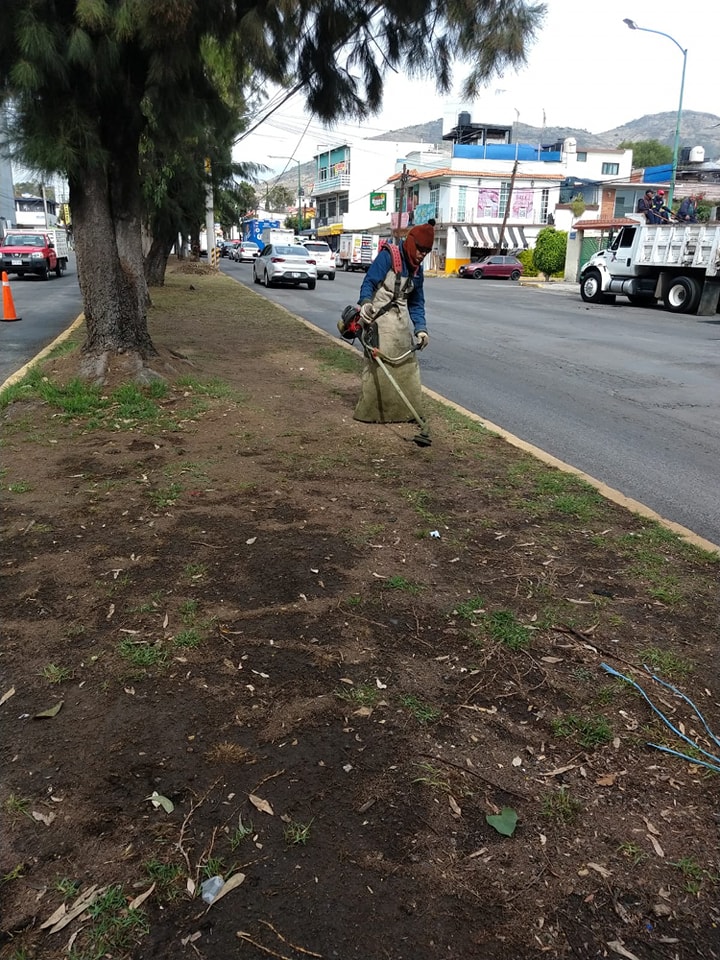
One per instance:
(554,286)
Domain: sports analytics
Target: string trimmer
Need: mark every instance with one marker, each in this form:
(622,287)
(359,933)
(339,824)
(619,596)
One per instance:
(353,326)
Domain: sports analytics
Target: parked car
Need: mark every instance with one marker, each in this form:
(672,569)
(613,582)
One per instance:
(494,266)
(230,248)
(246,251)
(283,264)
(324,256)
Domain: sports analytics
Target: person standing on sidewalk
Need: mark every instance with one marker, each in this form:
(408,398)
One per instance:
(392,300)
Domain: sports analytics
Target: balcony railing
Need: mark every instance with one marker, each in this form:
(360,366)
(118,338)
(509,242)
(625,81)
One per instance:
(331,185)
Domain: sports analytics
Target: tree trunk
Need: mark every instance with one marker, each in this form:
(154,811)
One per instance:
(126,211)
(115,313)
(156,261)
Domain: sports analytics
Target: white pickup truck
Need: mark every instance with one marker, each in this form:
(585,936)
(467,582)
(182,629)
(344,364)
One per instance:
(677,264)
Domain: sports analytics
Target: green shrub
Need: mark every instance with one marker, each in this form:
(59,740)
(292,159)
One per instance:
(526,259)
(549,252)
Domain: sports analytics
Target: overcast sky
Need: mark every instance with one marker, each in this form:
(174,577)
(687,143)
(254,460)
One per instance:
(587,69)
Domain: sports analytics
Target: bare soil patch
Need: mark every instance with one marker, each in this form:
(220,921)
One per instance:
(336,654)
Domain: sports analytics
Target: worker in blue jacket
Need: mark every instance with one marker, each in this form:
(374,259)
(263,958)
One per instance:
(393,302)
(688,210)
(660,212)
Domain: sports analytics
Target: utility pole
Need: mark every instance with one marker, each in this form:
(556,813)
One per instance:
(507,207)
(404,177)
(44,200)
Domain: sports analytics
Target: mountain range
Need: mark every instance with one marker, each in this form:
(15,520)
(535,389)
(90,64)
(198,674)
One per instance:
(696,129)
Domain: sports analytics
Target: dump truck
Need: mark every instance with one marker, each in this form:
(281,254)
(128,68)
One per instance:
(675,264)
(357,250)
(34,251)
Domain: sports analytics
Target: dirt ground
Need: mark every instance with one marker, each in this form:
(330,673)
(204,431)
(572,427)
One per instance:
(244,635)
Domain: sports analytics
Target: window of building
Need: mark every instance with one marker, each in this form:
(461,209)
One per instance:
(544,202)
(322,209)
(462,203)
(623,204)
(343,204)
(581,156)
(332,207)
(434,198)
(611,169)
(504,194)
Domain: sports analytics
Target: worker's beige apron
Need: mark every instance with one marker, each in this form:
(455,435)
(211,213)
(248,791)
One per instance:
(379,400)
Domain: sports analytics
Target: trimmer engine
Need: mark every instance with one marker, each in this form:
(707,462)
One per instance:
(349,324)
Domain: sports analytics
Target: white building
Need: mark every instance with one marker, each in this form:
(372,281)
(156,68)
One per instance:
(351,193)
(484,191)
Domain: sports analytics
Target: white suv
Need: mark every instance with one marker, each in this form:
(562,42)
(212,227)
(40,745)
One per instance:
(323,256)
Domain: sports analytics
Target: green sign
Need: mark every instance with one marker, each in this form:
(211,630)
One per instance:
(378,201)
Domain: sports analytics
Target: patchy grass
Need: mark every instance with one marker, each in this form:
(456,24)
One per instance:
(112,927)
(469,609)
(297,833)
(504,627)
(165,497)
(589,732)
(363,694)
(54,674)
(560,806)
(397,582)
(665,663)
(432,777)
(142,654)
(422,712)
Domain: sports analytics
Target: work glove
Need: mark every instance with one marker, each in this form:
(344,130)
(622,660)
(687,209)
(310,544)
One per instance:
(366,311)
(422,340)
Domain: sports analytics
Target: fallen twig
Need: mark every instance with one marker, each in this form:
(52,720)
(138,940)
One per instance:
(186,821)
(247,938)
(480,776)
(299,949)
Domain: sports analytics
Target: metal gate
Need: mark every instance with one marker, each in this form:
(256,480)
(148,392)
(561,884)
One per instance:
(591,245)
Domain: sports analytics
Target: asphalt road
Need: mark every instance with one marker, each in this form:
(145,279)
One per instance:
(630,395)
(47,308)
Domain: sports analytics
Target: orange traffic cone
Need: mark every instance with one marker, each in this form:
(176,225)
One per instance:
(8,305)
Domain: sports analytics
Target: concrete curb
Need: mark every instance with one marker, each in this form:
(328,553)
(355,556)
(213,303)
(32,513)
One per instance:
(61,337)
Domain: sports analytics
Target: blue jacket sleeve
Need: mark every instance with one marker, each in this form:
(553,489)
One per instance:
(374,277)
(416,303)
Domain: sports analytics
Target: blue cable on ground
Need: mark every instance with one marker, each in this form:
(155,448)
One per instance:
(711,766)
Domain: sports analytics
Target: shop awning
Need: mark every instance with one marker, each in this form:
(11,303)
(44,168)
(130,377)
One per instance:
(487,236)
(331,230)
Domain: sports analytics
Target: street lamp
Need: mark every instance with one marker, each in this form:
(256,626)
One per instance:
(633,26)
(299,214)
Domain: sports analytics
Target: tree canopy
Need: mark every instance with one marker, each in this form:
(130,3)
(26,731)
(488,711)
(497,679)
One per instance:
(647,153)
(92,82)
